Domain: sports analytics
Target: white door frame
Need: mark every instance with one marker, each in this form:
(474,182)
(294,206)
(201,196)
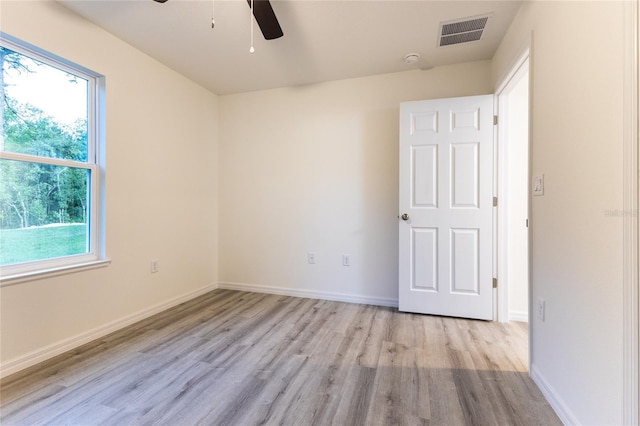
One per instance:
(520,66)
(631,228)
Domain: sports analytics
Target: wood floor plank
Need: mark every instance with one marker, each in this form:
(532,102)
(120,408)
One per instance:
(236,358)
(277,385)
(301,404)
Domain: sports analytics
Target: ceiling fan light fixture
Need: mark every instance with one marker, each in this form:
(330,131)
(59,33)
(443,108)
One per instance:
(411,58)
(251,17)
(213,14)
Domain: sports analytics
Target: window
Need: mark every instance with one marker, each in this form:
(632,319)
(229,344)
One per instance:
(51,174)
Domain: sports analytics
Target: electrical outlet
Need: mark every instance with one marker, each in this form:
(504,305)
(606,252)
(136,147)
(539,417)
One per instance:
(155,266)
(541,309)
(346,260)
(311,258)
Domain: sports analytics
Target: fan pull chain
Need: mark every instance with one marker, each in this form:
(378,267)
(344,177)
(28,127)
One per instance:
(213,14)
(251,49)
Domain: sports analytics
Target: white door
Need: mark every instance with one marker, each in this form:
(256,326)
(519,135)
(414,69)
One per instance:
(446,207)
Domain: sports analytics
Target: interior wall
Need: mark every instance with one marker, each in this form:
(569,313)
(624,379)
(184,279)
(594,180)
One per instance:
(315,169)
(161,200)
(577,63)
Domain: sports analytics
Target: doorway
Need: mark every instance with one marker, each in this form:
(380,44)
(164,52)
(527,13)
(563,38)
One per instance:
(512,105)
(445,267)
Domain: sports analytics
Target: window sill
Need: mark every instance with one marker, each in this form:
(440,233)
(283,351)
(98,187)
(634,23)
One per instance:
(9,280)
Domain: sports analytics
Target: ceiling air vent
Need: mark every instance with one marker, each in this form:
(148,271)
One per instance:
(462,31)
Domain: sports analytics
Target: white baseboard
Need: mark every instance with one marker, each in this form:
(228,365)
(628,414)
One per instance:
(338,297)
(521,316)
(35,357)
(558,405)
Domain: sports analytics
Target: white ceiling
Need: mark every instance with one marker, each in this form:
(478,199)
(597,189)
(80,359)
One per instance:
(323,39)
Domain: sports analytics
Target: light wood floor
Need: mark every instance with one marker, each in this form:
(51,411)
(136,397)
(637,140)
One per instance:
(235,358)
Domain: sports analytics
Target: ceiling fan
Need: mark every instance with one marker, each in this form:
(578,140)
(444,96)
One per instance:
(265,17)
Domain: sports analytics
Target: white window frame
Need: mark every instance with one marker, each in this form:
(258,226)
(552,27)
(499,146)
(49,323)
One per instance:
(95,257)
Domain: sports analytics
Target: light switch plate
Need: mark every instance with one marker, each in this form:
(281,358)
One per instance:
(538,185)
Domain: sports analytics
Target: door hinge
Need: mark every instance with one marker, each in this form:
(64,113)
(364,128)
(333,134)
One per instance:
(495,201)
(495,283)
(495,120)
(527,223)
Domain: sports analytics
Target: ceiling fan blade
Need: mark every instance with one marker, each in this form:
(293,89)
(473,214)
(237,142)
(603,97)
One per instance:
(266,19)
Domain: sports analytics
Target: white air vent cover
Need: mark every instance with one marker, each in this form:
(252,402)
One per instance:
(462,31)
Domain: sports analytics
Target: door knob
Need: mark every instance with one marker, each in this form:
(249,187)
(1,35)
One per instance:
(405,216)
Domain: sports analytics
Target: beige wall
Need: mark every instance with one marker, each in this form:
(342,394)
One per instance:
(577,64)
(161,190)
(315,169)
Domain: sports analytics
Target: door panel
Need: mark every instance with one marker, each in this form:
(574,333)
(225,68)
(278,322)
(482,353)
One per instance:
(464,175)
(425,258)
(425,177)
(446,189)
(464,261)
